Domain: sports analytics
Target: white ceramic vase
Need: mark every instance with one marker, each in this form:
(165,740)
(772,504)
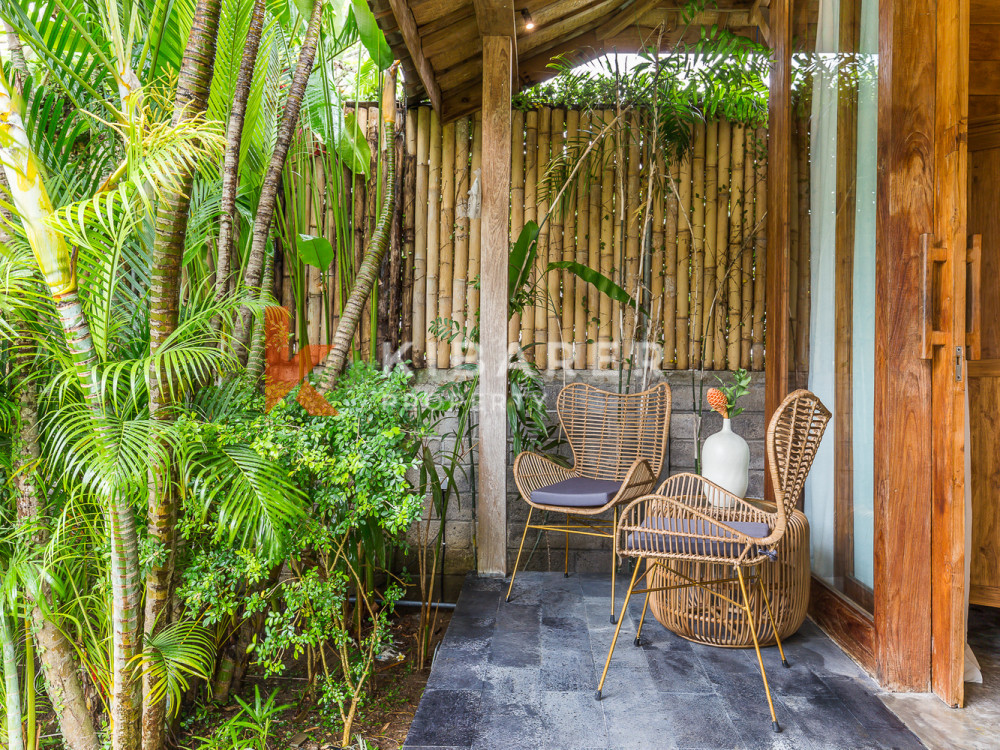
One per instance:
(725,460)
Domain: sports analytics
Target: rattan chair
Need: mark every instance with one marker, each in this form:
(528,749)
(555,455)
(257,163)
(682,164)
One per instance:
(618,443)
(690,519)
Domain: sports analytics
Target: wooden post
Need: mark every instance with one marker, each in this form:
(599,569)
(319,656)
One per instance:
(491,510)
(582,255)
(446,240)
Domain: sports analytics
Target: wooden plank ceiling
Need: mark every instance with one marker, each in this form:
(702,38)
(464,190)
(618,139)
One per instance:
(439,41)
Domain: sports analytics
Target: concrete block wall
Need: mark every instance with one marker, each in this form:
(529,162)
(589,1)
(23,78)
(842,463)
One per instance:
(592,554)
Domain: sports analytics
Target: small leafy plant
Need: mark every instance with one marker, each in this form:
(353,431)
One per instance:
(723,399)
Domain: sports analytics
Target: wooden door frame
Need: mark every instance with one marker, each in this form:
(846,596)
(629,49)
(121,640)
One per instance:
(918,628)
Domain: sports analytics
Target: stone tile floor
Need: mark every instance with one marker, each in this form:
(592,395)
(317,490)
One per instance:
(523,675)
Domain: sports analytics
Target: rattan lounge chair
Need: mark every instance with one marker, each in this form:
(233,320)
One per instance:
(690,519)
(618,443)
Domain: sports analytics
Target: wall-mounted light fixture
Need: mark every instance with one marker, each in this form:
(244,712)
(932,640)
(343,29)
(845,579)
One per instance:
(529,24)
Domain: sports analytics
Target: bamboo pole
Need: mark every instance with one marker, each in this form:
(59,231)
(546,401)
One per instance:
(516,201)
(569,248)
(592,301)
(670,264)
(556,217)
(582,251)
(658,279)
(360,225)
(746,249)
(542,257)
(698,246)
(606,329)
(735,270)
(420,215)
(372,192)
(711,242)
(409,202)
(632,218)
(683,188)
(759,249)
(530,214)
(461,265)
(721,296)
(446,255)
(472,290)
(433,234)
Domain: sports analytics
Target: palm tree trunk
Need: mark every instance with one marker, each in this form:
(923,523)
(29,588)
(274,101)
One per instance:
(269,189)
(377,246)
(193,83)
(31,200)
(59,665)
(234,140)
(12,688)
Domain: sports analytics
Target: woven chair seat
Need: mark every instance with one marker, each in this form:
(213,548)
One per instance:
(577,492)
(687,536)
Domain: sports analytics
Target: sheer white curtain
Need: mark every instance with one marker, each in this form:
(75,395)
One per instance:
(818,496)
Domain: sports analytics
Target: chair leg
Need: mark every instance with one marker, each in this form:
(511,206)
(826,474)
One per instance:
(756,645)
(519,550)
(614,528)
(566,559)
(774,625)
(638,632)
(621,618)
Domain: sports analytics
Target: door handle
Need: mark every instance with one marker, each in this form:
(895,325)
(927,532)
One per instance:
(974,287)
(931,255)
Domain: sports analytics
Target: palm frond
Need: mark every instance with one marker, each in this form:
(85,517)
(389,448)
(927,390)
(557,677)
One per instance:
(180,651)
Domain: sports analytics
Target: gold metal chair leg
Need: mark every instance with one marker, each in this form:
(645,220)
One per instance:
(756,645)
(519,550)
(638,632)
(621,618)
(566,560)
(774,625)
(614,530)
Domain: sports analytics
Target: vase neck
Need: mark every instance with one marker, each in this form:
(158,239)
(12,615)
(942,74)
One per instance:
(727,425)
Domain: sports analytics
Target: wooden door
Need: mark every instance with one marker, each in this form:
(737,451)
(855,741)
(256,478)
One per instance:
(984,373)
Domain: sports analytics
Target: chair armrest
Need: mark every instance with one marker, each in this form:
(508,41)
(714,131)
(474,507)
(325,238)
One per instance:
(689,497)
(639,480)
(533,470)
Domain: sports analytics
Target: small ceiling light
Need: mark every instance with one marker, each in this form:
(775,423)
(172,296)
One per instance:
(529,24)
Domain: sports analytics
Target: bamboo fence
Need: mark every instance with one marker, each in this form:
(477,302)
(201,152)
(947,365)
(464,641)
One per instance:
(696,266)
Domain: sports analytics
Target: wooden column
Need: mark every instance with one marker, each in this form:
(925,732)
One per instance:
(948,386)
(491,509)
(903,450)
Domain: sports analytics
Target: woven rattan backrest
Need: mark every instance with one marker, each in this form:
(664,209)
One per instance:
(793,437)
(609,431)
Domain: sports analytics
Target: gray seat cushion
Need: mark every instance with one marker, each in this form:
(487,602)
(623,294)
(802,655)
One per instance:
(577,492)
(669,543)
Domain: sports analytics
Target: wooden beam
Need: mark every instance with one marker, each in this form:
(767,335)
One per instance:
(411,37)
(624,18)
(495,17)
(491,506)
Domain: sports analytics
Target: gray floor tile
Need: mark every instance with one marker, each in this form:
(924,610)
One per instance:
(523,675)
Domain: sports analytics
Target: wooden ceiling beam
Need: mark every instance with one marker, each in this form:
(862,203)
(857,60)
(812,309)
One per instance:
(624,18)
(411,38)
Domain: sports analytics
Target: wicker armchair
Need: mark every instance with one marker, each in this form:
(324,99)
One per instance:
(618,443)
(690,519)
